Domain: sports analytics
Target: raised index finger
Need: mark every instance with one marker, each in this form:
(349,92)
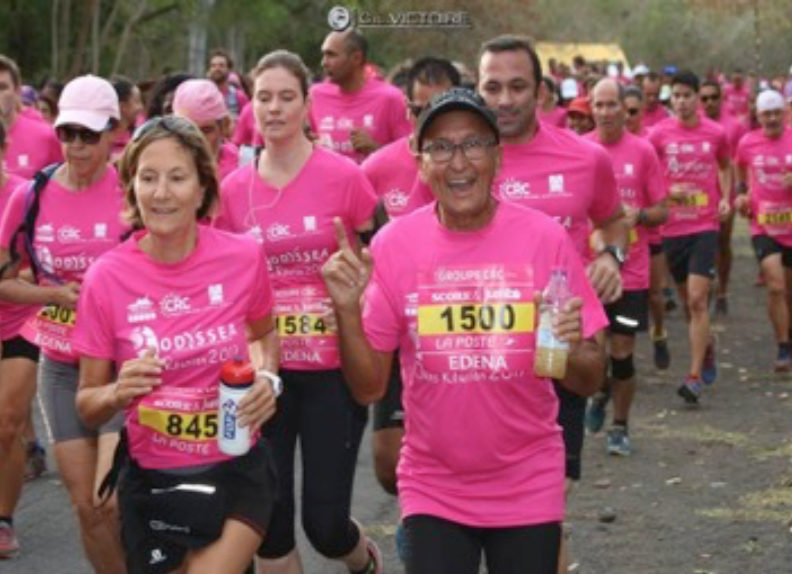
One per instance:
(341,235)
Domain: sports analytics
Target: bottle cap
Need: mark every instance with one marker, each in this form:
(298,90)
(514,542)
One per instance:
(237,373)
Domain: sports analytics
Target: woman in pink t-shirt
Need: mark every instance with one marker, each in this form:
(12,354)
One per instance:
(287,199)
(160,316)
(58,226)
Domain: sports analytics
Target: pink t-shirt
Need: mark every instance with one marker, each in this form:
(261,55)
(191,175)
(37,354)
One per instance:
(482,446)
(690,157)
(641,184)
(655,116)
(737,100)
(392,171)
(73,229)
(194,313)
(245,132)
(767,160)
(295,224)
(378,108)
(227,161)
(12,316)
(32,145)
(555,117)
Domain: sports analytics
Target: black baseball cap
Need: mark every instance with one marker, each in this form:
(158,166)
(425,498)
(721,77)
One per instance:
(455,99)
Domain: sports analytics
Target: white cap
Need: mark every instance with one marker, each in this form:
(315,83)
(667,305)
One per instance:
(88,101)
(569,89)
(640,70)
(769,100)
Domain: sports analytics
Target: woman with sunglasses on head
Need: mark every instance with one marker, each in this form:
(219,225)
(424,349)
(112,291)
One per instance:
(287,199)
(201,102)
(163,316)
(58,226)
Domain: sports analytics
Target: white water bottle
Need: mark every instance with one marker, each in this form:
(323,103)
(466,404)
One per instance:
(236,379)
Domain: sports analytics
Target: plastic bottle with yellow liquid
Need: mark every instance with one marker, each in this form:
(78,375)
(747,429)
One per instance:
(551,353)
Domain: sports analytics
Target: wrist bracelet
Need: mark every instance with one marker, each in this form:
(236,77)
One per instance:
(274,380)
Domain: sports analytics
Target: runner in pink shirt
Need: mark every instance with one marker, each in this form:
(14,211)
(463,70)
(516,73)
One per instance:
(764,183)
(161,316)
(31,143)
(737,96)
(219,71)
(287,200)
(18,361)
(549,111)
(351,114)
(710,95)
(59,227)
(654,111)
(695,156)
(130,105)
(245,132)
(482,463)
(643,193)
(202,103)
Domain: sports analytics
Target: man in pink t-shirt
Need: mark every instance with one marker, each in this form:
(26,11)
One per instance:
(32,144)
(549,111)
(711,103)
(643,193)
(764,185)
(654,112)
(695,155)
(352,114)
(737,96)
(482,462)
(220,67)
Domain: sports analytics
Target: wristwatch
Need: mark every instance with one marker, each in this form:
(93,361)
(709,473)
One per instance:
(274,380)
(617,253)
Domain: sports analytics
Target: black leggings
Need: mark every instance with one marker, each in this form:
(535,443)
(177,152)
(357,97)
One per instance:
(438,546)
(315,406)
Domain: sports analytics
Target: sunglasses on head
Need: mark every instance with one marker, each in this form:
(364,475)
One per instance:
(176,125)
(68,134)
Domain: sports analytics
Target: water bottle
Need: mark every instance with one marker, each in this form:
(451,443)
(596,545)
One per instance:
(551,353)
(236,379)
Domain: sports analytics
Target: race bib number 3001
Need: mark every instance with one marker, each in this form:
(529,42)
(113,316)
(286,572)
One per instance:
(476,319)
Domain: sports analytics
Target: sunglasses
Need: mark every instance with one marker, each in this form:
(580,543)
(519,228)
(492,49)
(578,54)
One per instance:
(68,134)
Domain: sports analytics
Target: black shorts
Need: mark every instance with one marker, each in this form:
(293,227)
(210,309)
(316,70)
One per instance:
(389,412)
(630,314)
(160,523)
(694,254)
(765,245)
(655,249)
(20,348)
(571,414)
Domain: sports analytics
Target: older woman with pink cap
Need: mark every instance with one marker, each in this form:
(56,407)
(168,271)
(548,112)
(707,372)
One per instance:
(58,226)
(202,102)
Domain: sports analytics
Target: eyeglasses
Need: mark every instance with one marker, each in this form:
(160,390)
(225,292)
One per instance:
(706,99)
(633,111)
(68,134)
(473,149)
(173,124)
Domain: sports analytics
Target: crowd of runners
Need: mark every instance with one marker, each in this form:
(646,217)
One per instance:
(364,241)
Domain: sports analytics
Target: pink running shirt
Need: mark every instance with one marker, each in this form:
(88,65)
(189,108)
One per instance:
(194,313)
(378,108)
(641,184)
(736,101)
(690,157)
(482,446)
(767,160)
(32,145)
(392,171)
(246,132)
(555,117)
(227,161)
(73,229)
(295,224)
(655,116)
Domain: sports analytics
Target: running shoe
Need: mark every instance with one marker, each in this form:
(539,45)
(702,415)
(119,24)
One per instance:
(662,356)
(709,370)
(690,390)
(618,441)
(595,412)
(36,463)
(9,545)
(783,362)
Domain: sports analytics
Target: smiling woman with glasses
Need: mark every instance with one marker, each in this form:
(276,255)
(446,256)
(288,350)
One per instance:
(57,227)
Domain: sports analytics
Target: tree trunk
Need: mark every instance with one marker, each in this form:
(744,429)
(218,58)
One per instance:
(130,24)
(95,13)
(82,42)
(54,41)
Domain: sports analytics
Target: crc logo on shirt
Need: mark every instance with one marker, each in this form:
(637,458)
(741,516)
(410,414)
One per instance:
(142,339)
(556,183)
(396,199)
(688,148)
(346,124)
(45,233)
(173,305)
(141,310)
(278,231)
(515,189)
(69,234)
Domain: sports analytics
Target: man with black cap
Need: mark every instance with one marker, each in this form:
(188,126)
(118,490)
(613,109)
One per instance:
(482,462)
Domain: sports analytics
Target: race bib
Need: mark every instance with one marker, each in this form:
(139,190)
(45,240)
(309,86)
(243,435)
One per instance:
(51,329)
(775,217)
(476,319)
(306,340)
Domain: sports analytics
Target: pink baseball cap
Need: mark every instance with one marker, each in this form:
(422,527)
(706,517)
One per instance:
(88,101)
(200,101)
